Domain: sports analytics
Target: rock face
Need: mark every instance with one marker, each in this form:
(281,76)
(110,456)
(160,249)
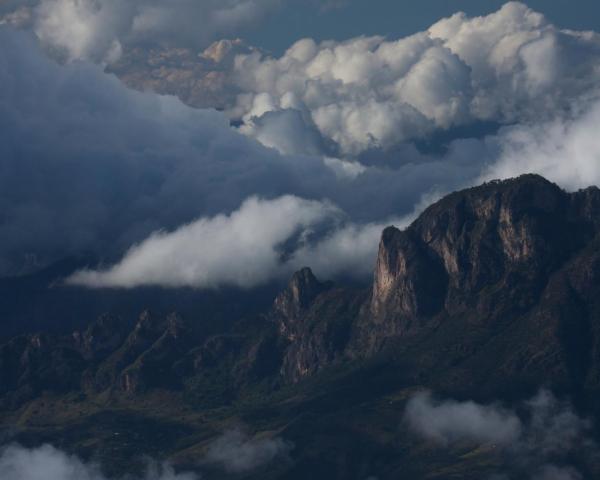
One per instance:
(495,235)
(480,260)
(315,319)
(293,302)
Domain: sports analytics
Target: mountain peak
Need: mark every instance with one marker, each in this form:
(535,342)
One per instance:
(475,238)
(300,292)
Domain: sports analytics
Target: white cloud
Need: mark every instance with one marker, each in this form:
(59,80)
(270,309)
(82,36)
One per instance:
(234,451)
(261,241)
(112,166)
(566,151)
(242,249)
(510,66)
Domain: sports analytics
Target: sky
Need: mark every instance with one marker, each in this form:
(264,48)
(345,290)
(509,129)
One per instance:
(303,150)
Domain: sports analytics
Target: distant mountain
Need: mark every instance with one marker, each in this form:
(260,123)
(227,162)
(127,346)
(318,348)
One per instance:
(491,294)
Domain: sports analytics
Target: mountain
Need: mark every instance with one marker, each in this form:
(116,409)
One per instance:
(200,79)
(490,295)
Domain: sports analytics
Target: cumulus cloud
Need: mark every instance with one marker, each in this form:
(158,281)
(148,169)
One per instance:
(370,92)
(48,463)
(540,441)
(237,452)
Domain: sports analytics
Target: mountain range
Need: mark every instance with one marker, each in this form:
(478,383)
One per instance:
(490,296)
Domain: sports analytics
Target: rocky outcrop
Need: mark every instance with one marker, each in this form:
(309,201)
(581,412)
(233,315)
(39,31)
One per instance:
(496,235)
(476,262)
(291,304)
(315,319)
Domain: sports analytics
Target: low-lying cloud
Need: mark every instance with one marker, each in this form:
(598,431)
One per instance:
(451,421)
(48,463)
(236,452)
(261,241)
(539,439)
(566,151)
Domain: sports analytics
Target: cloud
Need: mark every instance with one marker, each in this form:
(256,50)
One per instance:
(48,463)
(99,30)
(242,249)
(566,150)
(236,452)
(87,165)
(451,421)
(540,441)
(370,92)
(261,241)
